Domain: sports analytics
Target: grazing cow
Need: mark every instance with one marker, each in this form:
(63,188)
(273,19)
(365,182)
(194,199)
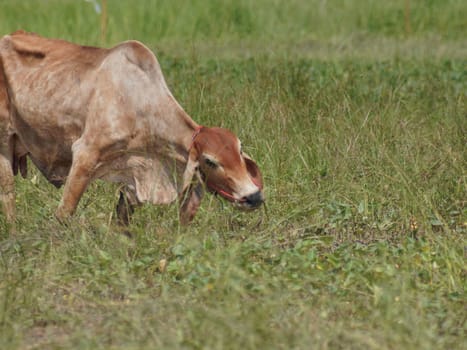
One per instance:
(83,113)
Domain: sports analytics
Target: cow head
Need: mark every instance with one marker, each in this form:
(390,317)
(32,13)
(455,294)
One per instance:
(216,155)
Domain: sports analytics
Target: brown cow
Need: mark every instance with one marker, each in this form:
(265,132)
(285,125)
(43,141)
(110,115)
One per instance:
(83,113)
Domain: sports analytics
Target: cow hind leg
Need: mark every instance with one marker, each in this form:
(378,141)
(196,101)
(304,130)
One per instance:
(82,169)
(7,189)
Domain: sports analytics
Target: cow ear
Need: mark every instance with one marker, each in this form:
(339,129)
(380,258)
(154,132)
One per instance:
(253,171)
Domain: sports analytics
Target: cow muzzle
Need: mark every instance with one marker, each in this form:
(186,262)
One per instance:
(252,201)
(248,202)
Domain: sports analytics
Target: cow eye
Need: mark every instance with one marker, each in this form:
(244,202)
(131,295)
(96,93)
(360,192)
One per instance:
(210,163)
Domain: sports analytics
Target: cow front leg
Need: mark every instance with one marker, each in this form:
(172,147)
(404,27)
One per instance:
(82,169)
(190,203)
(7,190)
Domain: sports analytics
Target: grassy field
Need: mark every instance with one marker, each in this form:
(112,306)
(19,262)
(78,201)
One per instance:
(358,120)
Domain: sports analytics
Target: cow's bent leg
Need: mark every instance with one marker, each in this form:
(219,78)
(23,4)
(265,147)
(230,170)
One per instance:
(190,203)
(7,188)
(82,169)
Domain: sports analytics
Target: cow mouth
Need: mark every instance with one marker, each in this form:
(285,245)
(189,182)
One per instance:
(247,203)
(224,194)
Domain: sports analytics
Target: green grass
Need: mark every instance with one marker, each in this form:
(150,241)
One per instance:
(359,128)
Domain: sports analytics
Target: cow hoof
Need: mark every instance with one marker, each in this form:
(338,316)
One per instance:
(62,216)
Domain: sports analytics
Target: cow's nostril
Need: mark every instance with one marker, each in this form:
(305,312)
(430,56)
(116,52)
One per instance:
(254,200)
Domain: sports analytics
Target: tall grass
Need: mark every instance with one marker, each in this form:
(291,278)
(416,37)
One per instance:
(359,129)
(154,21)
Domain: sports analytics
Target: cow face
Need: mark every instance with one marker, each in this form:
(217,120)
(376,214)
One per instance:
(226,170)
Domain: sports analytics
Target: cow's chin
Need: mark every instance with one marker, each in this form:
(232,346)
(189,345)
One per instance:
(248,203)
(243,206)
(238,204)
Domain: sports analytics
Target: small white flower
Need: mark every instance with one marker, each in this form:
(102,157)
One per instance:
(97,6)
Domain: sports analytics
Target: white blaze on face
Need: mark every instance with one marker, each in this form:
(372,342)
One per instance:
(245,186)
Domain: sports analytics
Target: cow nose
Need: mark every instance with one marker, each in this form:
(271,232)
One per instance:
(254,200)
